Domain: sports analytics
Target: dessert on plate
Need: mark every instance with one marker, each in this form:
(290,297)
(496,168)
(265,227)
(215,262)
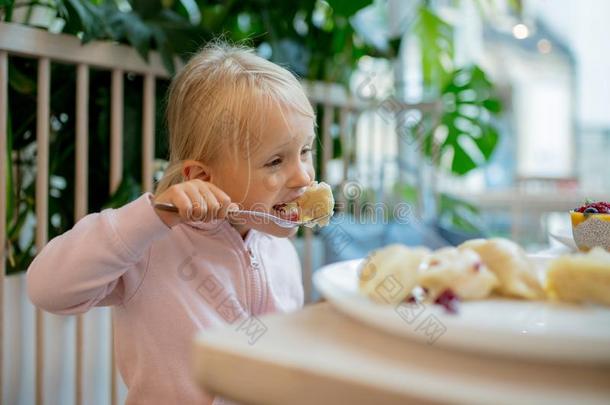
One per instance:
(388,275)
(510,264)
(478,269)
(459,272)
(580,277)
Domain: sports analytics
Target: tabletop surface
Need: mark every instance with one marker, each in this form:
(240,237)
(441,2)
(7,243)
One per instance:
(319,356)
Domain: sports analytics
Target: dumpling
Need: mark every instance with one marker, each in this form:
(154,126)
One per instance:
(460,271)
(509,263)
(389,274)
(317,201)
(580,277)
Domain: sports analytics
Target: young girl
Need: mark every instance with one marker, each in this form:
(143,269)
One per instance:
(241,132)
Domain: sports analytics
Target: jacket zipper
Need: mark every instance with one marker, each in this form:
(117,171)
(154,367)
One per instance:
(256,289)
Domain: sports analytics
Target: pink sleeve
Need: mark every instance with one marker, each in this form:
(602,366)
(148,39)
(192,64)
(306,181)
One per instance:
(222,401)
(98,261)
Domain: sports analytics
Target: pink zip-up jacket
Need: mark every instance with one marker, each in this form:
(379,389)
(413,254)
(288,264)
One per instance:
(165,285)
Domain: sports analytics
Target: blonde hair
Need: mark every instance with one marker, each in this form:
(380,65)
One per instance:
(218,103)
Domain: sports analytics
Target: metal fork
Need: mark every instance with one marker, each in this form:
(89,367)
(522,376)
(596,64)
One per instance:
(284,223)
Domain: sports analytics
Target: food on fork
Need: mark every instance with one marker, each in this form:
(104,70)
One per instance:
(508,261)
(580,277)
(389,274)
(317,201)
(459,271)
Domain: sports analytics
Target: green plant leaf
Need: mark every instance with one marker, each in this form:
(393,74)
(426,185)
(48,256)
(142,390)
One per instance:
(436,42)
(15,227)
(488,141)
(19,81)
(128,190)
(10,196)
(516,5)
(469,106)
(408,193)
(460,214)
(7,6)
(347,8)
(213,16)
(462,162)
(394,45)
(90,18)
(138,34)
(337,148)
(340,35)
(146,8)
(493,105)
(164,48)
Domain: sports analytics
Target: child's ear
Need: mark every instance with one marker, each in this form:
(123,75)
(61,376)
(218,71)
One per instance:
(192,169)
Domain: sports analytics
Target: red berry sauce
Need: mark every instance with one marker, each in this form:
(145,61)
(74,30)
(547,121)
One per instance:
(599,207)
(448,300)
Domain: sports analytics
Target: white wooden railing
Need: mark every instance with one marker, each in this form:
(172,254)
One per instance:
(18,40)
(28,42)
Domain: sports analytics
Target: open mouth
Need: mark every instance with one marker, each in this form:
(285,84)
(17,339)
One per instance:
(288,211)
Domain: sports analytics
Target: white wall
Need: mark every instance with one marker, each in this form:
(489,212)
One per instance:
(583,26)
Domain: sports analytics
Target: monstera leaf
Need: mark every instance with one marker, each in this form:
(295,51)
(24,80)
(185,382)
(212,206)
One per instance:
(466,135)
(436,43)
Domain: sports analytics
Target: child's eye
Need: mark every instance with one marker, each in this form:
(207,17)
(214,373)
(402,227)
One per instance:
(274,162)
(305,151)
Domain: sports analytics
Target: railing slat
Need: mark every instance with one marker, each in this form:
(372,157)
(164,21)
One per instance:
(148,132)
(371,116)
(116,174)
(327,140)
(80,198)
(42,191)
(344,136)
(4,164)
(82,143)
(308,264)
(113,384)
(116,130)
(356,151)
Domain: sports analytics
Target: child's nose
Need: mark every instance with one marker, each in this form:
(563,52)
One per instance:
(302,176)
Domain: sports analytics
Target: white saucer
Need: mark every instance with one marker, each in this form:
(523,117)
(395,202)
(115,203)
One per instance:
(564,236)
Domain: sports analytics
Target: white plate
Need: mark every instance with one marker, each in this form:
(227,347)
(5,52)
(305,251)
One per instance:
(530,329)
(564,236)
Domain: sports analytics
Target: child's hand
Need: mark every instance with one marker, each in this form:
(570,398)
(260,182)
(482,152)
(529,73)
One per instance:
(196,200)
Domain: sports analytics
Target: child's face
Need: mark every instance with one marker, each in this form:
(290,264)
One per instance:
(278,171)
